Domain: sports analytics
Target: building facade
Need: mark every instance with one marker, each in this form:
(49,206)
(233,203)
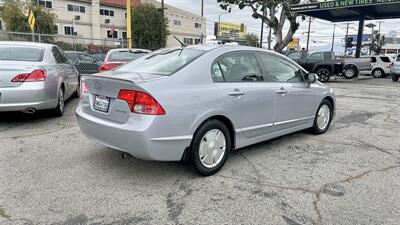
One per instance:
(106,20)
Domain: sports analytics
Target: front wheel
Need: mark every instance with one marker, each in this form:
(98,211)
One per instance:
(324,75)
(210,147)
(323,117)
(395,77)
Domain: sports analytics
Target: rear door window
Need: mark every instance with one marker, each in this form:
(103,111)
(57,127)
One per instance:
(238,67)
(373,59)
(21,53)
(59,56)
(316,56)
(385,59)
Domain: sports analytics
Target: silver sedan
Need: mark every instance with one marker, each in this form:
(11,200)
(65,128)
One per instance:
(199,103)
(35,76)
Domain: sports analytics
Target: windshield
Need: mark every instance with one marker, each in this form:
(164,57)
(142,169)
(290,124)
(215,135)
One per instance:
(125,56)
(21,53)
(164,62)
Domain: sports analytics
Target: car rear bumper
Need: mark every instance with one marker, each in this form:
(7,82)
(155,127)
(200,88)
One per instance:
(142,141)
(28,95)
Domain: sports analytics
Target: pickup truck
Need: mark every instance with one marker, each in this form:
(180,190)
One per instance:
(325,64)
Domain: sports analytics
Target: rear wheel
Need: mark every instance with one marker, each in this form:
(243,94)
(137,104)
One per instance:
(59,110)
(210,147)
(350,72)
(323,117)
(324,75)
(378,73)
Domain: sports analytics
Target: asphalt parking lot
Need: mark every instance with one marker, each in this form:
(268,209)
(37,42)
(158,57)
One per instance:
(51,174)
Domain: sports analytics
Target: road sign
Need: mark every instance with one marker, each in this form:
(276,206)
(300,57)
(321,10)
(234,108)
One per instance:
(31,21)
(294,44)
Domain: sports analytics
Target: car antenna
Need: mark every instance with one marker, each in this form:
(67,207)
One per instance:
(182,44)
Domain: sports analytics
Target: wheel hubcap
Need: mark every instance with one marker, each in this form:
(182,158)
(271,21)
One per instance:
(323,74)
(378,73)
(61,100)
(323,117)
(212,148)
(349,73)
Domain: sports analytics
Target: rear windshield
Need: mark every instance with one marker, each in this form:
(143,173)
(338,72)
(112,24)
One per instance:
(385,59)
(125,56)
(163,62)
(21,53)
(398,58)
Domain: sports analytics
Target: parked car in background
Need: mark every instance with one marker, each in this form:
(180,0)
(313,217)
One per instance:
(324,64)
(353,66)
(84,63)
(35,76)
(380,66)
(395,69)
(99,56)
(201,102)
(117,57)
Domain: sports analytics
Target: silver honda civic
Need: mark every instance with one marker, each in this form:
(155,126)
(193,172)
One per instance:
(35,76)
(199,103)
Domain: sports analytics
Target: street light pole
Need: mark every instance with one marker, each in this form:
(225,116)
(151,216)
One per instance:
(202,8)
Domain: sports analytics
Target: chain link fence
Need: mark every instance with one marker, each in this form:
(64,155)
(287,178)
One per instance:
(68,43)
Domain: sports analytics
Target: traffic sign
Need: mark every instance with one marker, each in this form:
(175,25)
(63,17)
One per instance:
(31,21)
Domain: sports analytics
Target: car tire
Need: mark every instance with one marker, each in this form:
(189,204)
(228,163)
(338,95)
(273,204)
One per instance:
(77,93)
(207,157)
(350,72)
(395,77)
(378,73)
(324,75)
(323,118)
(59,110)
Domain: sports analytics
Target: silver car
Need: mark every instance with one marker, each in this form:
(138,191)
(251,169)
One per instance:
(199,103)
(35,76)
(395,69)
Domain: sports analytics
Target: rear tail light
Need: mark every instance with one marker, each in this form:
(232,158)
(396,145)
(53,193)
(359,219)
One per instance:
(108,66)
(391,64)
(34,76)
(140,102)
(84,89)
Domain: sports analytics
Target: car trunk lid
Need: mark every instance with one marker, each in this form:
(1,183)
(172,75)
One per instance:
(101,97)
(10,69)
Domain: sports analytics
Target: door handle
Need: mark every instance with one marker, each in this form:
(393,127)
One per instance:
(236,93)
(281,91)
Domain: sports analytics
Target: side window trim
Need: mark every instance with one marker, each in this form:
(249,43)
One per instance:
(232,53)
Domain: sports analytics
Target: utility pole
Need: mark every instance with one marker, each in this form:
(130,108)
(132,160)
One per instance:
(269,38)
(128,23)
(333,36)
(347,36)
(262,28)
(202,8)
(380,23)
(308,33)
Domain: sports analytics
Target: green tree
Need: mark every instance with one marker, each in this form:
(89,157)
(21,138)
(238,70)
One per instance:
(14,13)
(275,16)
(149,27)
(251,40)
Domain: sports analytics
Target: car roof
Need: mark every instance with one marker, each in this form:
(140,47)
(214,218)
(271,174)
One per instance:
(129,49)
(26,43)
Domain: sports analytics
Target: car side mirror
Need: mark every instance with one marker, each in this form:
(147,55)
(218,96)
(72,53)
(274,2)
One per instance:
(311,78)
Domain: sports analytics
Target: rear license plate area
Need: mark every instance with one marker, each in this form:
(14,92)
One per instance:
(101,103)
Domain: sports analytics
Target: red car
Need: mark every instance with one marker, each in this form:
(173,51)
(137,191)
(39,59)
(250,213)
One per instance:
(117,57)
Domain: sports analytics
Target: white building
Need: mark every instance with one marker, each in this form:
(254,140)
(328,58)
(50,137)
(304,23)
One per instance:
(106,20)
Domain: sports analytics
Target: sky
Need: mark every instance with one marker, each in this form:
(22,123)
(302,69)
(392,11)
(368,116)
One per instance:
(321,30)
